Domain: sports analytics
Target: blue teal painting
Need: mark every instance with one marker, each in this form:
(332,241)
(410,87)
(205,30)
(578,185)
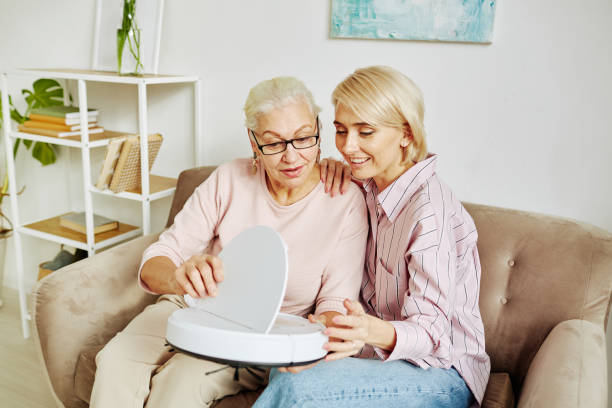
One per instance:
(429,20)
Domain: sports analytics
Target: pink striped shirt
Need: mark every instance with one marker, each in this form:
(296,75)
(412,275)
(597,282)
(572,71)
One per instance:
(423,275)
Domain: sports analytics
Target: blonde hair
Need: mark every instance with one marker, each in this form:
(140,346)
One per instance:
(275,93)
(383,96)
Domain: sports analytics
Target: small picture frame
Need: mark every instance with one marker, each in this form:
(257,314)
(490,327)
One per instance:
(149,16)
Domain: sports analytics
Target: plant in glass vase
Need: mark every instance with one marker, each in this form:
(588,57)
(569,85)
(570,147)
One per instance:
(129,59)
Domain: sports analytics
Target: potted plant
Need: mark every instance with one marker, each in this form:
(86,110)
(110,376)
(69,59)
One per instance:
(44,92)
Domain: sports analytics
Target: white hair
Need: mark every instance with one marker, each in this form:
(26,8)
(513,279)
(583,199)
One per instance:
(276,93)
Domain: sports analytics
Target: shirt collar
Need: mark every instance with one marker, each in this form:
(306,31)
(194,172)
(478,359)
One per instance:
(395,197)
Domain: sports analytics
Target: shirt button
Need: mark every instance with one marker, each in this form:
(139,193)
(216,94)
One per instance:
(503,300)
(511,262)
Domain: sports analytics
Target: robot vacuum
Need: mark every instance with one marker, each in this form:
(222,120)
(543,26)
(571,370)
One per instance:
(242,325)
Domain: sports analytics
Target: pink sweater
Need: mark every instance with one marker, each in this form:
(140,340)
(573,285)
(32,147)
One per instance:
(326,237)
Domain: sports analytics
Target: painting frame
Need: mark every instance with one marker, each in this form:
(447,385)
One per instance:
(467,21)
(149,15)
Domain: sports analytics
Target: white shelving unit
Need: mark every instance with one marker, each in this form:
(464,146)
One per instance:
(153,187)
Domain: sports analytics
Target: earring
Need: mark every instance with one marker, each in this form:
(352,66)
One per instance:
(404,143)
(254,164)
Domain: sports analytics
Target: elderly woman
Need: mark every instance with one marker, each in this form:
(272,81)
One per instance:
(417,327)
(278,188)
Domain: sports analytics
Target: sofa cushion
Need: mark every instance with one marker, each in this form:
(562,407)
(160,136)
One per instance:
(499,392)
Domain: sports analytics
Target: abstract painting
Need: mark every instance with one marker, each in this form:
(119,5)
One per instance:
(429,20)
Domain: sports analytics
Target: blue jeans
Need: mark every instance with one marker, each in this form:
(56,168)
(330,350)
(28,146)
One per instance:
(356,382)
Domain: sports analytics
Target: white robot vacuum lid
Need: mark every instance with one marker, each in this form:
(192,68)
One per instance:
(242,324)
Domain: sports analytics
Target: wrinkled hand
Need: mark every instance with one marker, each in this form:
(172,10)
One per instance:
(335,175)
(352,335)
(199,275)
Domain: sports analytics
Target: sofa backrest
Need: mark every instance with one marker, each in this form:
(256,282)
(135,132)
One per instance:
(537,271)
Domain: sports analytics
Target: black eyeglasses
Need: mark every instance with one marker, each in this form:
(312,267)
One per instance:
(297,143)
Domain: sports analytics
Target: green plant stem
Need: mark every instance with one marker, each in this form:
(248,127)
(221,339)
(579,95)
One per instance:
(129,24)
(135,46)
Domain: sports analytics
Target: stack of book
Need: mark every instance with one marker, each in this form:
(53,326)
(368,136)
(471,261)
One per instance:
(76,222)
(59,121)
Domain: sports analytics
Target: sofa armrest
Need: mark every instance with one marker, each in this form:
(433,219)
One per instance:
(85,304)
(569,369)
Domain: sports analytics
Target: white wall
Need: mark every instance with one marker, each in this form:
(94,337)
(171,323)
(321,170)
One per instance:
(523,123)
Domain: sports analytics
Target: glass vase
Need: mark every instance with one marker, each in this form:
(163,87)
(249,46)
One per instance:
(129,52)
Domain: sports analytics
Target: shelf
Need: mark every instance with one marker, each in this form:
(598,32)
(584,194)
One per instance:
(106,76)
(95,140)
(51,230)
(159,187)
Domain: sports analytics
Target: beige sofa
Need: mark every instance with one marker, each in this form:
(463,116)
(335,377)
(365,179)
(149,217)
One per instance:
(545,298)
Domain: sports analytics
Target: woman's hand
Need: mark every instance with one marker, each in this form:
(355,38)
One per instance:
(199,275)
(335,175)
(353,334)
(358,329)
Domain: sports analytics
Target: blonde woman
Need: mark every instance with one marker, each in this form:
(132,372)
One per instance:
(278,188)
(416,326)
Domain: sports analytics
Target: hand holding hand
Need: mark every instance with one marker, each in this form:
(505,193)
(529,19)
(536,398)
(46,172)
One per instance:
(354,333)
(199,275)
(335,175)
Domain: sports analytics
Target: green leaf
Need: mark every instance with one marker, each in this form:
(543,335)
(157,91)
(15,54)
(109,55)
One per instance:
(46,92)
(44,153)
(26,143)
(16,148)
(121,37)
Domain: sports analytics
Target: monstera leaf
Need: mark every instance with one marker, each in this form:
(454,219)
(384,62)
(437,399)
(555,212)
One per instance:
(46,92)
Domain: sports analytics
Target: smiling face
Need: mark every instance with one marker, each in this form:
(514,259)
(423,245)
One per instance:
(371,151)
(292,169)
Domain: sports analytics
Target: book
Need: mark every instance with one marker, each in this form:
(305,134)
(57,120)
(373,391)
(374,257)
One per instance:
(61,111)
(127,171)
(76,222)
(56,133)
(55,126)
(110,161)
(61,121)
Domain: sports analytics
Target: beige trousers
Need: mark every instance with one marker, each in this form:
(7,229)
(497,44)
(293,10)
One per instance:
(136,368)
